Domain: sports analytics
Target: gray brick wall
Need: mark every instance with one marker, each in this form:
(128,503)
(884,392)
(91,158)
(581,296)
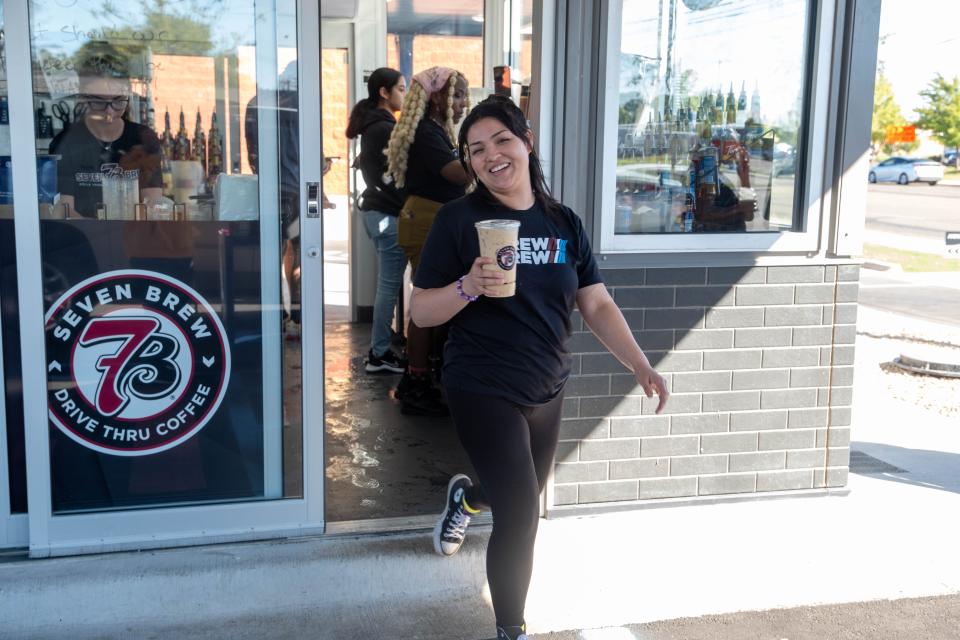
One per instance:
(760,364)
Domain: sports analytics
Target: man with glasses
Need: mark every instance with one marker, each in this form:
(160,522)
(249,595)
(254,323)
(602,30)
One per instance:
(104,142)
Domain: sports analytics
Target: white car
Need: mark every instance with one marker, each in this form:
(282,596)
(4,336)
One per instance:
(906,170)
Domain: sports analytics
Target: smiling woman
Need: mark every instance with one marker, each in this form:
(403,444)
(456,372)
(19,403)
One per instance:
(506,359)
(500,159)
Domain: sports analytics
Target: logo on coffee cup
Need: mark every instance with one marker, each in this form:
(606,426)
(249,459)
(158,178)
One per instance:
(137,363)
(507,257)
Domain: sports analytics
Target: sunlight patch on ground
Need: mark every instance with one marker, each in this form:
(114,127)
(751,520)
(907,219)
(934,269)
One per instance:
(610,633)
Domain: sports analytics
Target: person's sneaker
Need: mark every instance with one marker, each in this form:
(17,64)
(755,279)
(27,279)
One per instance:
(451,528)
(418,397)
(512,633)
(389,361)
(415,382)
(423,402)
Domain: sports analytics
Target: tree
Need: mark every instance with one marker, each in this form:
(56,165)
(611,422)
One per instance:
(184,30)
(886,113)
(941,114)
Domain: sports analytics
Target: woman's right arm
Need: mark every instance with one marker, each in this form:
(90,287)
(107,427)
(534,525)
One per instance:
(433,307)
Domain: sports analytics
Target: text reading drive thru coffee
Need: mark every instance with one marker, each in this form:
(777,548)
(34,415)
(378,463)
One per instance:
(137,362)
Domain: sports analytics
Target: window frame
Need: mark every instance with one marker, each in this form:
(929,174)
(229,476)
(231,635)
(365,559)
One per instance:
(812,160)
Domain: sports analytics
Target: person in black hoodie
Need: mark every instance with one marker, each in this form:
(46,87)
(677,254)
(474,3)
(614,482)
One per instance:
(372,119)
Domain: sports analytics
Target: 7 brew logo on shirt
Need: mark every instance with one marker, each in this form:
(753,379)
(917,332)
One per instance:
(137,363)
(542,251)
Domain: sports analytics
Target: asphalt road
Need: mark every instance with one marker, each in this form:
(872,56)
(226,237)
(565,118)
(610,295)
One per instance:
(916,210)
(912,217)
(917,296)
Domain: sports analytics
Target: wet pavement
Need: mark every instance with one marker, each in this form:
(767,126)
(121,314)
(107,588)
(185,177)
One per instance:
(380,464)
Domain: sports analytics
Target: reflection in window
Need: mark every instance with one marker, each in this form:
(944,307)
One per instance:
(430,33)
(171,130)
(521,50)
(710,115)
(179,78)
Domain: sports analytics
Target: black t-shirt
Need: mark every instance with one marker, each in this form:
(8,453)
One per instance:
(513,347)
(84,159)
(429,153)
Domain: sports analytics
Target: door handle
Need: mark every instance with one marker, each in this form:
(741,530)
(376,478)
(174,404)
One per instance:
(313,199)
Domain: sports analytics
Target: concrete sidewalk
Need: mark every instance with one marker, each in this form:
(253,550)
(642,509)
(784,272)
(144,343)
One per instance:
(906,619)
(891,534)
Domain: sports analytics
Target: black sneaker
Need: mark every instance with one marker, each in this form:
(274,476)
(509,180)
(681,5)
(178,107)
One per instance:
(420,383)
(451,528)
(423,402)
(512,633)
(418,397)
(389,361)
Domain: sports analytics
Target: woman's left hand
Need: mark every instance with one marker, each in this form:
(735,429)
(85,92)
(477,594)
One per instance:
(652,383)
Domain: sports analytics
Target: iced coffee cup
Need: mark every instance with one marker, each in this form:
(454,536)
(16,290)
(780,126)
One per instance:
(498,240)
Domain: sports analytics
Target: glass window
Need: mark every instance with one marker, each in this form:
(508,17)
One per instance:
(521,50)
(710,116)
(167,136)
(428,33)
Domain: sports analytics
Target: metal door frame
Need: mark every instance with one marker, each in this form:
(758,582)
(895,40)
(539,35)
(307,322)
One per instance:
(14,529)
(51,534)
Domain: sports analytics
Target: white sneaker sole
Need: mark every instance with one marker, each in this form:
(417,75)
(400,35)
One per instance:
(372,368)
(437,541)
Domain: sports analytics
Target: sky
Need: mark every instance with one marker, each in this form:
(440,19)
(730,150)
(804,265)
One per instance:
(922,39)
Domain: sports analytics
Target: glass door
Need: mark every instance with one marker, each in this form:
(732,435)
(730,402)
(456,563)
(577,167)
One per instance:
(13,473)
(163,299)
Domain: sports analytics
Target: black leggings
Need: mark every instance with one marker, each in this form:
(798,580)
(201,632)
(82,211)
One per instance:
(511,447)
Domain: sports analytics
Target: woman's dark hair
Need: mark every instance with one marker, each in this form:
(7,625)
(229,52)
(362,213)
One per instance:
(503,109)
(382,78)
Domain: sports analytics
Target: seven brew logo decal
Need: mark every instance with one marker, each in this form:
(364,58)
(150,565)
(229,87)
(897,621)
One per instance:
(137,362)
(507,257)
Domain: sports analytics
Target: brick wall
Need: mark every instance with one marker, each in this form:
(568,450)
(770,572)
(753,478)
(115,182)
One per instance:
(336,113)
(189,82)
(183,82)
(463,53)
(760,364)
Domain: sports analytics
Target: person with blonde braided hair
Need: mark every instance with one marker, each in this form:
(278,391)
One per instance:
(422,161)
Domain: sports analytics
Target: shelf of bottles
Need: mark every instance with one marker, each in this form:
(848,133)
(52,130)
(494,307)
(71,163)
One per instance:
(191,164)
(687,169)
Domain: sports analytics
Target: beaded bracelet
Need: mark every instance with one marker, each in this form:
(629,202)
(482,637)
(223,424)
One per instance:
(463,294)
